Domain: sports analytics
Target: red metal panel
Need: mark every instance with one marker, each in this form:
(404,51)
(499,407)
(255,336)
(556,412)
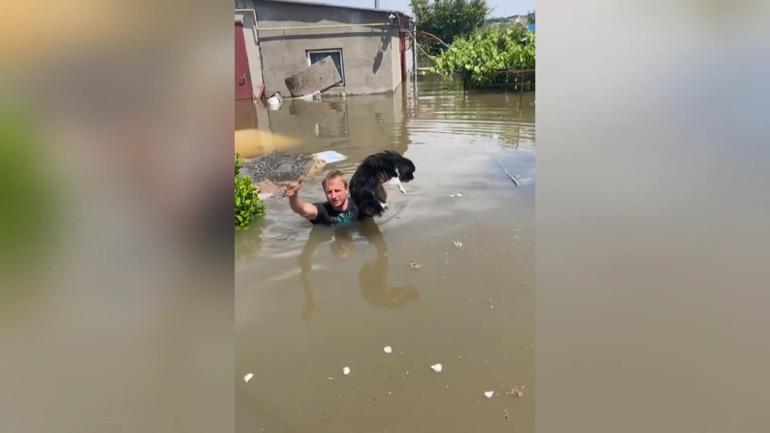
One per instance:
(243,87)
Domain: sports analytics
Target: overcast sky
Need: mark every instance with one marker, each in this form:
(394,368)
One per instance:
(500,8)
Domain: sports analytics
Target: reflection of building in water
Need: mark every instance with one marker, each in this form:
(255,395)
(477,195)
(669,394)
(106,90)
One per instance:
(355,126)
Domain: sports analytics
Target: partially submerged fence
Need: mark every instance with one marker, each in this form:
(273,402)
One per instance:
(522,79)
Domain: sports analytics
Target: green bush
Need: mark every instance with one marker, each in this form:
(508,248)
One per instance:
(247,203)
(481,56)
(29,199)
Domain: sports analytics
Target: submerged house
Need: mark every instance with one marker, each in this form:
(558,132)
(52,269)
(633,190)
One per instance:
(372,49)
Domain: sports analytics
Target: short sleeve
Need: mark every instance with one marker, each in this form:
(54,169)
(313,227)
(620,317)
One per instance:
(322,216)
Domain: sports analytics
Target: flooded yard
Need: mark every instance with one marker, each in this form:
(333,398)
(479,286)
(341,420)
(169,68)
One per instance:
(445,277)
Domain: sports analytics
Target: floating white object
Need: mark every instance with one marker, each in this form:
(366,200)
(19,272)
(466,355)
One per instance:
(489,394)
(330,156)
(437,367)
(458,244)
(387,349)
(311,96)
(346,370)
(274,101)
(459,194)
(248,377)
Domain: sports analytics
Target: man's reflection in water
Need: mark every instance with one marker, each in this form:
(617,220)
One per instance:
(372,276)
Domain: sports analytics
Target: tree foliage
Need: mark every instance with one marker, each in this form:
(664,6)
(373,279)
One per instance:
(448,19)
(481,56)
(531,17)
(247,203)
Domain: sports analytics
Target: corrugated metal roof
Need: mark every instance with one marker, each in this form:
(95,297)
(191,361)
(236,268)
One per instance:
(311,3)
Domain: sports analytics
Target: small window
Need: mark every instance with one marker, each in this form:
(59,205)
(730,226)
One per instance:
(314,56)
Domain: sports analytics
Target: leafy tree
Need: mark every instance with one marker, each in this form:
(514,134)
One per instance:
(448,19)
(481,57)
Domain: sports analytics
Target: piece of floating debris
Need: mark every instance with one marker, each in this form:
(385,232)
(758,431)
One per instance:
(330,156)
(274,101)
(387,349)
(248,377)
(345,370)
(489,394)
(458,244)
(515,181)
(516,391)
(437,367)
(414,265)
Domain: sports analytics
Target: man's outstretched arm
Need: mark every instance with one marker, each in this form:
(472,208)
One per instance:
(299,206)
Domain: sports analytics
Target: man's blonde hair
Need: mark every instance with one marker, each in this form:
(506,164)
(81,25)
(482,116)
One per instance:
(333,175)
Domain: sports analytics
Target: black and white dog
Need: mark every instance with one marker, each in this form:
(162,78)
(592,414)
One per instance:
(366,188)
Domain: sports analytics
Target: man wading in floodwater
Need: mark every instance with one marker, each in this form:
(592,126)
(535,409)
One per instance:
(338,209)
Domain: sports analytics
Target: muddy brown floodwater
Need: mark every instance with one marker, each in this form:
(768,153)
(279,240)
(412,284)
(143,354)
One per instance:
(445,277)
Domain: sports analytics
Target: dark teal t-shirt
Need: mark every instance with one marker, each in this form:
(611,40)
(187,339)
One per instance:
(327,215)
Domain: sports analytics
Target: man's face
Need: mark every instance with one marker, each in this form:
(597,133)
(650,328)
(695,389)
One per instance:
(336,193)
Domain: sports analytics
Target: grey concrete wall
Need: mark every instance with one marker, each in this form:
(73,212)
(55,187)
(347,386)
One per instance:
(395,62)
(370,54)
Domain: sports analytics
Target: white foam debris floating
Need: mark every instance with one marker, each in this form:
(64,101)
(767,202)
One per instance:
(248,377)
(415,265)
(387,349)
(489,394)
(346,370)
(458,244)
(330,156)
(437,367)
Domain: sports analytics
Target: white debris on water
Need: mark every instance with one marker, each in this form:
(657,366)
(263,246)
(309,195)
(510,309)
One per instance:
(415,265)
(248,377)
(489,394)
(345,370)
(387,349)
(458,244)
(437,367)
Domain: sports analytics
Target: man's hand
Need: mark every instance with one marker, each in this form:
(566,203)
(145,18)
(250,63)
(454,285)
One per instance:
(292,188)
(307,210)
